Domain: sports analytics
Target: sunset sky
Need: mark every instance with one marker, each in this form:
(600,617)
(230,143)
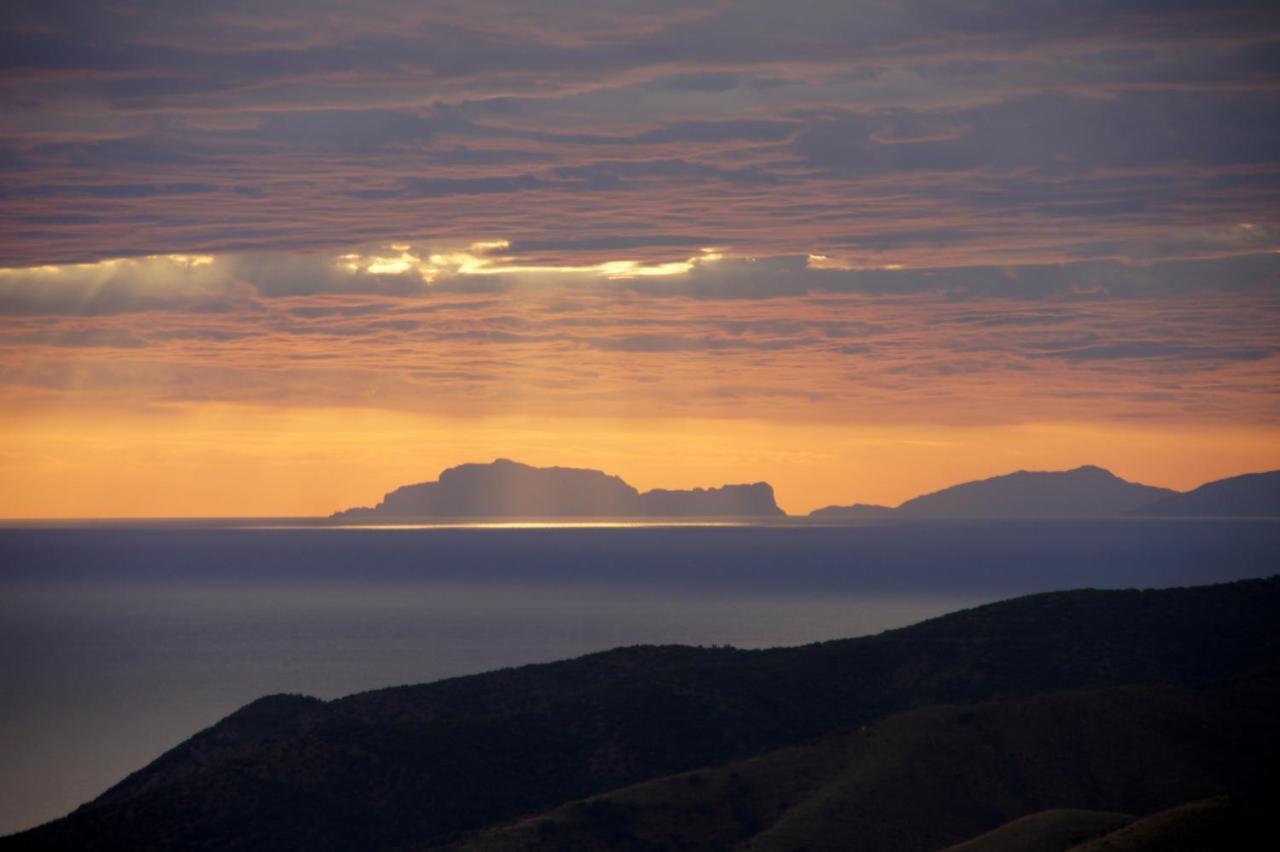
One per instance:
(279,258)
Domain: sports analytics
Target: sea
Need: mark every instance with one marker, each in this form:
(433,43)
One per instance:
(120,640)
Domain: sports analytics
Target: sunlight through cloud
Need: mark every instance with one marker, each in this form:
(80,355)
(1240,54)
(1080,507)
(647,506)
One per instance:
(485,258)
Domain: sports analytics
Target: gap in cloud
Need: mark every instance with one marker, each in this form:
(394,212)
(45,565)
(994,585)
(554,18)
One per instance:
(491,258)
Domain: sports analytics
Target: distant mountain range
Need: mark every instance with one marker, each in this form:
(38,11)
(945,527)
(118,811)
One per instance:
(1256,494)
(508,489)
(1076,710)
(1085,492)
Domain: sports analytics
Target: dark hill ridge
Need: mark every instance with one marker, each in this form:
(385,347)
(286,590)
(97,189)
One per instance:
(507,489)
(924,779)
(414,766)
(1220,822)
(1052,830)
(1250,495)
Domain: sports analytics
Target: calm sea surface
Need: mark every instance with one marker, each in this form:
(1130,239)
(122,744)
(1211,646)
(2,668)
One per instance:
(119,641)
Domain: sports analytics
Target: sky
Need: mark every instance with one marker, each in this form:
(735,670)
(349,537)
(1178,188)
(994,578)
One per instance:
(277,258)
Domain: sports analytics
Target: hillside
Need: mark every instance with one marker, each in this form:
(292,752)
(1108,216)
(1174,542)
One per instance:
(419,764)
(924,779)
(1243,824)
(1052,830)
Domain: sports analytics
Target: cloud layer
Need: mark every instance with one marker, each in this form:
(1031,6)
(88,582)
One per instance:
(944,214)
(886,133)
(479,331)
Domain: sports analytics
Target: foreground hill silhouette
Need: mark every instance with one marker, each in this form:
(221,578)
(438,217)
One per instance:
(507,489)
(1250,495)
(1048,723)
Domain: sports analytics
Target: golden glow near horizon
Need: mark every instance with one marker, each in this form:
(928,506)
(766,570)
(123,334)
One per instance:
(774,239)
(242,461)
(280,385)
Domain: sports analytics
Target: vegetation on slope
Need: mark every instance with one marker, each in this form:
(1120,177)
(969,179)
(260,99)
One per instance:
(927,778)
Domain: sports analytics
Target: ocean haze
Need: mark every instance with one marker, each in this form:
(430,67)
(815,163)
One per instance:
(119,641)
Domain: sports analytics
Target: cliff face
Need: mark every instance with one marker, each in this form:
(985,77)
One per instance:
(507,489)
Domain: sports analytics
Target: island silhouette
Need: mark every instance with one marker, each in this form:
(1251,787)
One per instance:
(1250,495)
(506,489)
